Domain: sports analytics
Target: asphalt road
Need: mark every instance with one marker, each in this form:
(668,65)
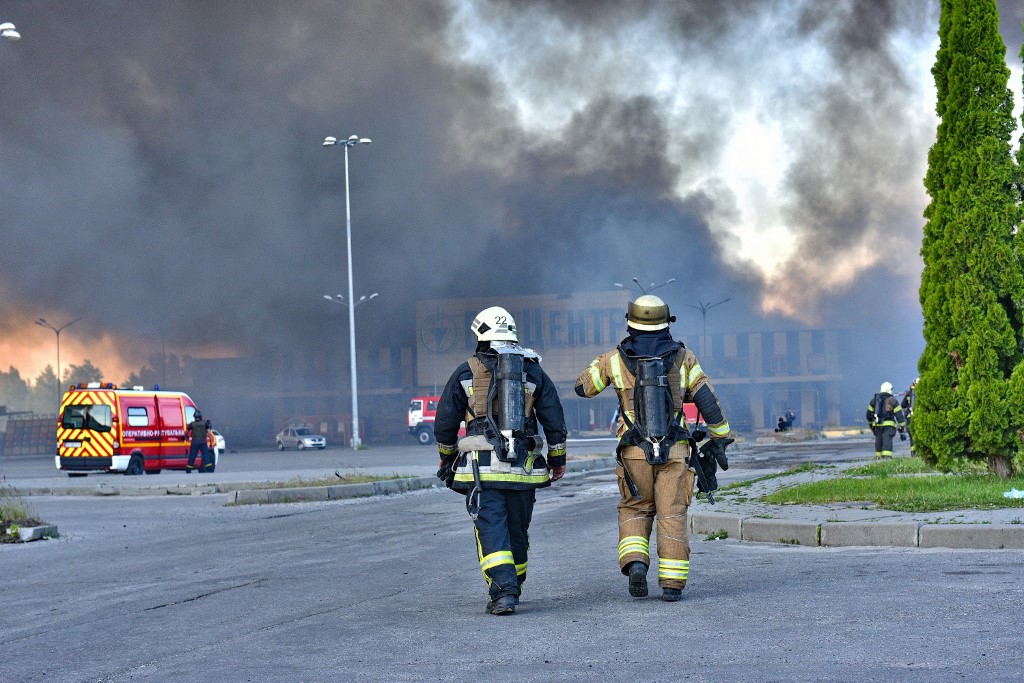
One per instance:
(388,589)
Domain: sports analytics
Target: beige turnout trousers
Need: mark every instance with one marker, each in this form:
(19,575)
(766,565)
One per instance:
(665,494)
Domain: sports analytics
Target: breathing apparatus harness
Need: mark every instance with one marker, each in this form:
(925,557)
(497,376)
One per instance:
(878,406)
(507,434)
(660,425)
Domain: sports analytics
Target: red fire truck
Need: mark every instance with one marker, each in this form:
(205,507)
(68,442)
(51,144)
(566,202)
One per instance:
(422,411)
(105,429)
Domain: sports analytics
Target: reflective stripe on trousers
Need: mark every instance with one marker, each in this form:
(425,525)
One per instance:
(502,538)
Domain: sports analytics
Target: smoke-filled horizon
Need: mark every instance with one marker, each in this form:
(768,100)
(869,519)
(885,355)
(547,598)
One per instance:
(163,176)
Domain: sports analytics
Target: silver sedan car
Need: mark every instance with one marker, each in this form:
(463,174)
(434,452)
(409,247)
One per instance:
(301,438)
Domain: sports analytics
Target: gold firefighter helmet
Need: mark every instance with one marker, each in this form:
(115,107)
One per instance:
(494,324)
(648,312)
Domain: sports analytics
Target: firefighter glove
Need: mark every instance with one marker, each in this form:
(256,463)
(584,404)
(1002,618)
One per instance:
(708,467)
(557,472)
(715,448)
(446,470)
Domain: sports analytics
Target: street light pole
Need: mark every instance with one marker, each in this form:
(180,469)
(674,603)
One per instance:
(351,141)
(42,323)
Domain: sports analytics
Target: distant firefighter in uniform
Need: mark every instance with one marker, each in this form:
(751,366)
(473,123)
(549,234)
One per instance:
(883,415)
(653,375)
(501,393)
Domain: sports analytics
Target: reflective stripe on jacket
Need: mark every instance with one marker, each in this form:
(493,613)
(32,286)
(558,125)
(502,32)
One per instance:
(890,414)
(685,377)
(459,402)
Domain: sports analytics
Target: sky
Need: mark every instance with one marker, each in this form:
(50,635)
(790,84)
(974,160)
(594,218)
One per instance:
(163,177)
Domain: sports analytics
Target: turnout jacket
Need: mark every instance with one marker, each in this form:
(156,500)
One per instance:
(687,381)
(889,414)
(464,399)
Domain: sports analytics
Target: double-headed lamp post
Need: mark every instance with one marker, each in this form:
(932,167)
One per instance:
(351,141)
(704,307)
(644,290)
(57,330)
(8,31)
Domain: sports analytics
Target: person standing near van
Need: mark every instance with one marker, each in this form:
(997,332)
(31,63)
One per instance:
(196,432)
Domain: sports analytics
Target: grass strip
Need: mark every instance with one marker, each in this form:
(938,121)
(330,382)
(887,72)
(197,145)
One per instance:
(805,467)
(904,485)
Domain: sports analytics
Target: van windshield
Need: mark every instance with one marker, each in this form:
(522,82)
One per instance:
(94,417)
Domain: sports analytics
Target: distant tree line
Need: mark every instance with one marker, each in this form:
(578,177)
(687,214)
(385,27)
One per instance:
(40,396)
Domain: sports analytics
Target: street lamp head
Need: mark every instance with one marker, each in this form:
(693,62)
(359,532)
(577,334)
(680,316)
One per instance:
(350,141)
(8,31)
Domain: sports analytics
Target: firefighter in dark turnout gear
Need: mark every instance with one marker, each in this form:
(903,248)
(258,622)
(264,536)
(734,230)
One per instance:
(883,415)
(653,483)
(501,393)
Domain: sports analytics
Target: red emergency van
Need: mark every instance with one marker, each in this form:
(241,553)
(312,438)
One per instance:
(102,428)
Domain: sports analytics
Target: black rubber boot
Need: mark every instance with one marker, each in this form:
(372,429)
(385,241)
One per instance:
(637,579)
(671,594)
(506,604)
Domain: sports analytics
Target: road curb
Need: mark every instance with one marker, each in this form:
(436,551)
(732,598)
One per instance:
(35,533)
(848,534)
(334,492)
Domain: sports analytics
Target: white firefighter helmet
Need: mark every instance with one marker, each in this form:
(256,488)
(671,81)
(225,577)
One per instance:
(886,388)
(648,312)
(494,324)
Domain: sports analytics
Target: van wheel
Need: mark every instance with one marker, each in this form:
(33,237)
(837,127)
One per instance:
(280,446)
(424,436)
(135,466)
(301,446)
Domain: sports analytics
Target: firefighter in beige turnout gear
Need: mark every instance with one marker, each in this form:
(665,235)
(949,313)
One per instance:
(664,490)
(501,393)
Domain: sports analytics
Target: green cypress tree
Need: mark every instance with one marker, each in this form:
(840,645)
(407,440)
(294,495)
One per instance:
(972,286)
